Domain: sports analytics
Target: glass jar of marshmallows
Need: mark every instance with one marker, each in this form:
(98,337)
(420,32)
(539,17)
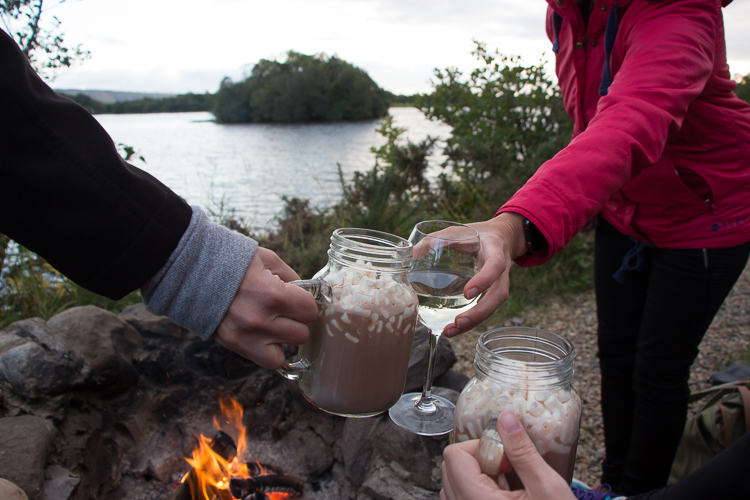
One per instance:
(355,361)
(528,371)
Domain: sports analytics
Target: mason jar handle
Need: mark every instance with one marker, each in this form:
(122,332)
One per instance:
(319,288)
(322,292)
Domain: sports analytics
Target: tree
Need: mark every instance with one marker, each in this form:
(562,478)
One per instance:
(507,118)
(303,88)
(743,88)
(44,46)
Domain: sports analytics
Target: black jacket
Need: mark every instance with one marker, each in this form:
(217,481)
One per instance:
(66,194)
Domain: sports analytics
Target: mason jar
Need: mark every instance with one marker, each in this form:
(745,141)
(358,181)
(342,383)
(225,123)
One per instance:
(355,361)
(529,372)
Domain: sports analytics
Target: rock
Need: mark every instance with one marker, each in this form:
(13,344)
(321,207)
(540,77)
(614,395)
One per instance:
(104,340)
(446,393)
(415,454)
(59,483)
(356,447)
(388,481)
(25,445)
(9,491)
(312,454)
(150,325)
(445,358)
(36,364)
(452,379)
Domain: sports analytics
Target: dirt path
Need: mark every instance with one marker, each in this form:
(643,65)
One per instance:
(575,318)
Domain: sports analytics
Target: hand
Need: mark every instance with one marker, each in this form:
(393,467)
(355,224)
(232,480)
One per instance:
(501,240)
(266,312)
(462,479)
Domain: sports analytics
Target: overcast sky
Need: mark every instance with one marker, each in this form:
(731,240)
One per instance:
(179,46)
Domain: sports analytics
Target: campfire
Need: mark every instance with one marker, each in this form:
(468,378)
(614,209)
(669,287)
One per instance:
(219,474)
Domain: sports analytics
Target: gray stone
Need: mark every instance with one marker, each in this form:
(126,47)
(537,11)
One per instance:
(445,358)
(104,340)
(311,453)
(150,325)
(36,364)
(25,445)
(446,393)
(356,447)
(452,379)
(415,454)
(59,483)
(389,481)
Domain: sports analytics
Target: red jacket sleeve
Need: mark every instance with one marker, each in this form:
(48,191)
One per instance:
(667,59)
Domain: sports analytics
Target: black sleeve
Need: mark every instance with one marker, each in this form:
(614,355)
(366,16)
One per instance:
(66,193)
(725,476)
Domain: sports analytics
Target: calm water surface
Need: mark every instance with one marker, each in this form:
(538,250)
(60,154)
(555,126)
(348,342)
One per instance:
(251,166)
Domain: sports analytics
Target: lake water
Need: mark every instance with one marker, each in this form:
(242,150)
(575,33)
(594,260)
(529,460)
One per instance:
(251,166)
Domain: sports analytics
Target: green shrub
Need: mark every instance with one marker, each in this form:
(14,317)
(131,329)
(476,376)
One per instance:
(30,287)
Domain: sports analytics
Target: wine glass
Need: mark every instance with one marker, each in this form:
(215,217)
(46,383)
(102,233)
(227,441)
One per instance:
(444,261)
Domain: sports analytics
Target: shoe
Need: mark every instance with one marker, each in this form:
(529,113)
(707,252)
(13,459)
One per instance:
(582,491)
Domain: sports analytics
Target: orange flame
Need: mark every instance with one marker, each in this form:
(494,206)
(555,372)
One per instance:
(212,471)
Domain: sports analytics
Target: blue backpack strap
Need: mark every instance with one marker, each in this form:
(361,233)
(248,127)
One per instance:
(556,25)
(613,24)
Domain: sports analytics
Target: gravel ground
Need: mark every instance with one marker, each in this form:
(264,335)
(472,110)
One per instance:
(575,318)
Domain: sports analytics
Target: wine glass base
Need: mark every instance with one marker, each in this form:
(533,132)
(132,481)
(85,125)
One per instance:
(405,414)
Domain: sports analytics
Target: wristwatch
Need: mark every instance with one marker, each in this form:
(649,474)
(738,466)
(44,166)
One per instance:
(535,240)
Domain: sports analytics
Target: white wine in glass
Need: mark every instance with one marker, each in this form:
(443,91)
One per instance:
(444,262)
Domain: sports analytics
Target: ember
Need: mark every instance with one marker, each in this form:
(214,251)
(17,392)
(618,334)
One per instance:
(218,474)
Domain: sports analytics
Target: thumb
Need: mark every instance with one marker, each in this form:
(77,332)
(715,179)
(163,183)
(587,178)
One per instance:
(520,451)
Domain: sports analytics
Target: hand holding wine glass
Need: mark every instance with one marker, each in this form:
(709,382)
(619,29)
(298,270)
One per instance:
(444,262)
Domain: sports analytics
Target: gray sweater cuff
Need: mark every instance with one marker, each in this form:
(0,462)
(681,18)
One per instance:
(201,277)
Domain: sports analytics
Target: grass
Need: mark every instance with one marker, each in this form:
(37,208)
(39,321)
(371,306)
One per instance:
(31,287)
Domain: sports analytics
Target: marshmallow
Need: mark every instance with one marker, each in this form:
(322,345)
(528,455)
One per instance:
(550,416)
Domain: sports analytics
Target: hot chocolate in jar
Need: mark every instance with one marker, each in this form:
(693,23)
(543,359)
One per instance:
(355,361)
(529,372)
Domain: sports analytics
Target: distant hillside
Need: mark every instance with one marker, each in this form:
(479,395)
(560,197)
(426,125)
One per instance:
(109,97)
(166,104)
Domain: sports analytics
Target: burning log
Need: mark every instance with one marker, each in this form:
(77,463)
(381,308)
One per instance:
(217,474)
(223,445)
(259,488)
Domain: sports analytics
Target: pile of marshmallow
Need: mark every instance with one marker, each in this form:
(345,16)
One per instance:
(364,291)
(551,416)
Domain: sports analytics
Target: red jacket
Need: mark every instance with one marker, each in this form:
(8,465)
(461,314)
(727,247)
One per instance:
(664,154)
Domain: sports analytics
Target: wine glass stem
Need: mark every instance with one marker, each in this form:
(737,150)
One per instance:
(425,403)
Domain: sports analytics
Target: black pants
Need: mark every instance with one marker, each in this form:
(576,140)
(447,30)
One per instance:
(650,327)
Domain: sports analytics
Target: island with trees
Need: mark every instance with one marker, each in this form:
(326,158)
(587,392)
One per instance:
(300,89)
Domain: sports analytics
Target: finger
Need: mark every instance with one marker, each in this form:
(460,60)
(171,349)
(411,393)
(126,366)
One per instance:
(270,294)
(273,263)
(464,474)
(502,482)
(255,329)
(538,478)
(298,304)
(270,356)
(446,493)
(486,307)
(494,266)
